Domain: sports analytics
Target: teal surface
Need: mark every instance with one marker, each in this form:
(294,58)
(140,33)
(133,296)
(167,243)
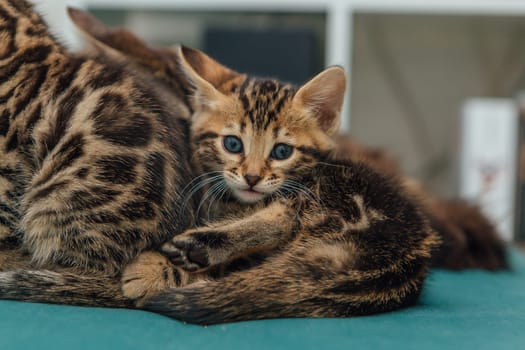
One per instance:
(458,310)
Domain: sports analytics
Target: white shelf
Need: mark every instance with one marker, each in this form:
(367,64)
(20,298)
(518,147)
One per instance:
(489,7)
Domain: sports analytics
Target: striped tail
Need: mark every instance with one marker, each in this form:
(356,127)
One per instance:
(263,293)
(62,288)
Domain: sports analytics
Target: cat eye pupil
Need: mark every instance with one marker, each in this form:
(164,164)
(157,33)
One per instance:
(233,144)
(281,151)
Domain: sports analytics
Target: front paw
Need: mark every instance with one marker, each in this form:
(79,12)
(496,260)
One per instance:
(149,274)
(186,252)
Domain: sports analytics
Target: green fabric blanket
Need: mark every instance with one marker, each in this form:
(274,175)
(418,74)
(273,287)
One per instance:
(458,310)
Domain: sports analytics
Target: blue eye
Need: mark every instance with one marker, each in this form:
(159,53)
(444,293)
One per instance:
(232,144)
(281,151)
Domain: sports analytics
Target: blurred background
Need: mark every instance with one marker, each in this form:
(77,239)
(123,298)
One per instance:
(435,83)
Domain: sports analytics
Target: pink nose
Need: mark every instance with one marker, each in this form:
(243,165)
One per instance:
(252,179)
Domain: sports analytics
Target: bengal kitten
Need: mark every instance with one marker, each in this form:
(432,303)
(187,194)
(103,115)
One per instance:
(93,162)
(292,233)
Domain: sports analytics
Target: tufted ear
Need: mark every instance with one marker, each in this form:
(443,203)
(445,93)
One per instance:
(322,97)
(117,42)
(206,76)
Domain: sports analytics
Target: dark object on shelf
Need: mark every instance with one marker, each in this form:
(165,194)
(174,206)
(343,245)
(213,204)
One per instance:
(289,55)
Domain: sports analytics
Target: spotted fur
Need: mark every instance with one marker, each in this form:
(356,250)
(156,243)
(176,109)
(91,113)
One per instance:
(93,161)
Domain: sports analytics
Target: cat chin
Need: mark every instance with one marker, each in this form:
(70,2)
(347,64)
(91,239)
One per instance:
(248,196)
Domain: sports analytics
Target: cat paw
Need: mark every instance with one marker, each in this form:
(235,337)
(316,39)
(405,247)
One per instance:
(187,253)
(149,274)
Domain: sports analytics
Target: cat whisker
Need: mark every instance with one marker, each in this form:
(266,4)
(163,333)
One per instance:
(220,192)
(205,197)
(197,187)
(303,189)
(201,184)
(309,194)
(217,190)
(306,189)
(199,177)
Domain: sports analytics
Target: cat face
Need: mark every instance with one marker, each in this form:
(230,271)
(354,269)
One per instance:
(260,136)
(256,138)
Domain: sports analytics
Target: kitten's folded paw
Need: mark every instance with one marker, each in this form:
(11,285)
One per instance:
(149,274)
(185,252)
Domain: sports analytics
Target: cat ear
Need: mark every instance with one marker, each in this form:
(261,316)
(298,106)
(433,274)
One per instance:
(323,97)
(118,43)
(205,75)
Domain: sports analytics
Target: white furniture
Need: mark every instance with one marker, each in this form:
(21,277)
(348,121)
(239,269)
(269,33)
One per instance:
(488,159)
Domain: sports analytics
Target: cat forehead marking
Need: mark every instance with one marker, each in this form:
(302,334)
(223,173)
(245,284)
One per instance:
(263,100)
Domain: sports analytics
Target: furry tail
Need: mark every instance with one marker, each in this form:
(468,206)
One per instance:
(212,302)
(469,238)
(263,293)
(61,288)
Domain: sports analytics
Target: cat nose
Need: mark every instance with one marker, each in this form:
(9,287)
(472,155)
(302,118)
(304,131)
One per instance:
(252,179)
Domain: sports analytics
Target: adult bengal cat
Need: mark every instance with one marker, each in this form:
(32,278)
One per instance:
(92,165)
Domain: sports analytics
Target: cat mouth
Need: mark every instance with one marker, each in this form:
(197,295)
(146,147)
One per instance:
(249,195)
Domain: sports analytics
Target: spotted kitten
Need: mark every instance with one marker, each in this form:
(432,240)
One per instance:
(93,161)
(287,227)
(292,233)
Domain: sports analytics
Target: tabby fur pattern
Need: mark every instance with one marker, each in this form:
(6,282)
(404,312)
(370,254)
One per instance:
(92,166)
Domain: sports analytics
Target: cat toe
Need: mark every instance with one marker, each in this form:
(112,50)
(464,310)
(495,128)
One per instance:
(186,254)
(149,274)
(173,253)
(199,257)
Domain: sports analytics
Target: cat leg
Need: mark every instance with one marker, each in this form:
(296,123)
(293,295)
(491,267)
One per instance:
(207,246)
